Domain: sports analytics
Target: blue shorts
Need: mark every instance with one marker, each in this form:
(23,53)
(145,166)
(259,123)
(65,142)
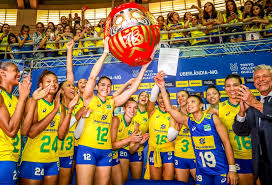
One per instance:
(66,162)
(182,163)
(36,171)
(8,172)
(204,179)
(93,156)
(75,152)
(243,166)
(166,157)
(115,161)
(136,157)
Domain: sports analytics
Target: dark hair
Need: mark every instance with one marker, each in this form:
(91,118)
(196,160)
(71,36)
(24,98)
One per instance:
(161,17)
(129,100)
(214,12)
(53,25)
(12,35)
(5,65)
(71,29)
(234,7)
(184,16)
(104,77)
(23,27)
(236,76)
(184,91)
(243,7)
(170,17)
(4,25)
(213,87)
(142,93)
(261,14)
(79,80)
(44,74)
(198,97)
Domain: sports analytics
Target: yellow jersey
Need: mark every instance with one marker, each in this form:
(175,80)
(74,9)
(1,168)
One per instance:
(236,20)
(9,147)
(177,35)
(66,146)
(44,147)
(99,43)
(183,146)
(88,43)
(197,33)
(124,130)
(158,128)
(241,145)
(78,106)
(4,41)
(96,133)
(142,119)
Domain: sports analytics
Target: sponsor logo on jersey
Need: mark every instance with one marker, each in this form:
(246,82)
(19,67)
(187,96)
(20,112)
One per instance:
(186,131)
(98,105)
(207,127)
(104,117)
(163,126)
(44,110)
(52,124)
(202,141)
(108,107)
(193,129)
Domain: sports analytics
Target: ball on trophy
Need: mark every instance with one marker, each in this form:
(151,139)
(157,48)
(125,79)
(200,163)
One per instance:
(134,34)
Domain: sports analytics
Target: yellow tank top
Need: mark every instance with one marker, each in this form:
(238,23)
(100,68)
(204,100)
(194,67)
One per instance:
(183,146)
(197,33)
(9,147)
(50,46)
(240,16)
(241,145)
(158,128)
(66,146)
(44,147)
(78,52)
(176,35)
(124,130)
(78,106)
(96,133)
(164,36)
(88,43)
(142,119)
(99,43)
(4,41)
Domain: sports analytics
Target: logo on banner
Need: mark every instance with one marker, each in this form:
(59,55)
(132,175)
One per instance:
(135,73)
(233,67)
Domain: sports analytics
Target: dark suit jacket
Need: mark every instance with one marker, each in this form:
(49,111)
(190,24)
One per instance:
(251,127)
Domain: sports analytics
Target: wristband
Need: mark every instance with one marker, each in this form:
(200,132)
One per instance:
(232,168)
(106,51)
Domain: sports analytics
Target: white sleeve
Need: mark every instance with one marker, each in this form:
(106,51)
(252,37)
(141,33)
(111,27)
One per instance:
(172,134)
(154,93)
(240,119)
(72,121)
(79,128)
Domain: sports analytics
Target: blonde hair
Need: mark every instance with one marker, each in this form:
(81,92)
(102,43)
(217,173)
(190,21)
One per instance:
(263,67)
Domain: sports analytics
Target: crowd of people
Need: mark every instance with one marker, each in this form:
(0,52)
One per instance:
(258,13)
(71,129)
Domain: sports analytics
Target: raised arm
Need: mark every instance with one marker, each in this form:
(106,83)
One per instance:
(122,98)
(89,89)
(39,126)
(11,125)
(178,116)
(222,132)
(69,64)
(123,88)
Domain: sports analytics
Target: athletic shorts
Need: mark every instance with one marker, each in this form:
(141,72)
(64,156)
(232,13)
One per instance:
(93,156)
(182,163)
(136,157)
(243,166)
(166,157)
(204,179)
(75,152)
(66,162)
(36,171)
(8,172)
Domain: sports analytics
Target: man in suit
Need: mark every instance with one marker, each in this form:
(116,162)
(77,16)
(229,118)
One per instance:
(255,119)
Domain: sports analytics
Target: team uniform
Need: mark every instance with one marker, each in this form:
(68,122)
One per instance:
(40,156)
(211,161)
(78,106)
(142,119)
(241,145)
(9,147)
(184,154)
(95,146)
(177,35)
(66,146)
(160,149)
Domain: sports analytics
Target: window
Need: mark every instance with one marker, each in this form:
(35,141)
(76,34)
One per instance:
(8,16)
(93,15)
